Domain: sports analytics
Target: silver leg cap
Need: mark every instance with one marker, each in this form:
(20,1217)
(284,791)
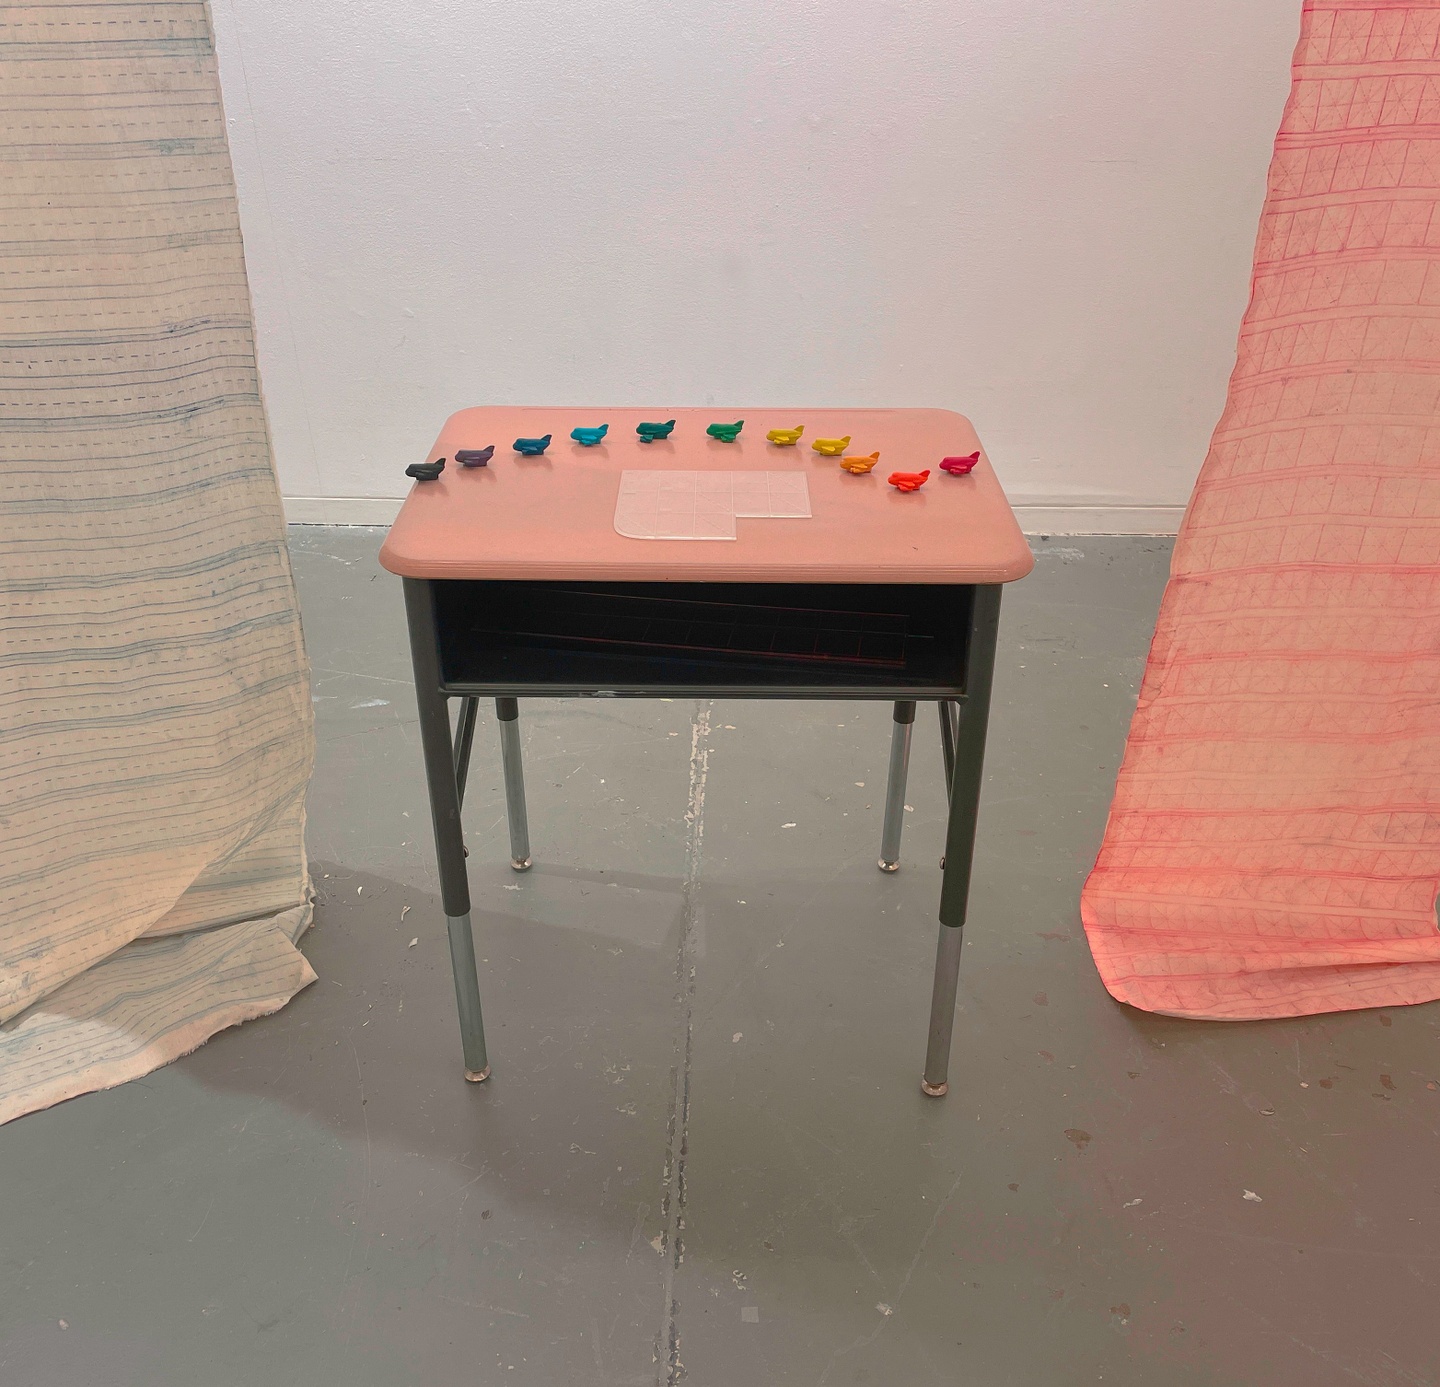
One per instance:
(471,1077)
(931,1091)
(520,864)
(888,866)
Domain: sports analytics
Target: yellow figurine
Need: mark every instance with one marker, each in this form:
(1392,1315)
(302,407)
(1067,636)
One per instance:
(860,466)
(831,447)
(786,438)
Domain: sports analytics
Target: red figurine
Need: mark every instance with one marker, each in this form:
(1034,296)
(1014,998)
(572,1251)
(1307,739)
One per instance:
(909,481)
(960,467)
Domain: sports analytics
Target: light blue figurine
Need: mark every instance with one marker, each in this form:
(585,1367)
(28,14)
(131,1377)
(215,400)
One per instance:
(532,447)
(588,438)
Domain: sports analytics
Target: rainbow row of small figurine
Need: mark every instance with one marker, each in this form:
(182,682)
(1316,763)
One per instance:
(723,433)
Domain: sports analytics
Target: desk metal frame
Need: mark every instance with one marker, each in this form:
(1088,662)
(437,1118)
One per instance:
(964,714)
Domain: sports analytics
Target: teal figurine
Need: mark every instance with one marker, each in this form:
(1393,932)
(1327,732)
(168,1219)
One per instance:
(650,432)
(532,447)
(588,438)
(726,433)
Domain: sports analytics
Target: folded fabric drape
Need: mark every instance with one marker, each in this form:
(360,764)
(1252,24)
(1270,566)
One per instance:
(155,720)
(1274,844)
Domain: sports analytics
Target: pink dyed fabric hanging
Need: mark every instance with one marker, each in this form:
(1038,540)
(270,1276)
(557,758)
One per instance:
(1274,844)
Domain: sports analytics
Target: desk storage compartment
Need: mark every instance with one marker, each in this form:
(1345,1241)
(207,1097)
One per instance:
(759,639)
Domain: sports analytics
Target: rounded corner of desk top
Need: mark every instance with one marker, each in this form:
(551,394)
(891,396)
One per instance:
(553,516)
(392,560)
(1023,565)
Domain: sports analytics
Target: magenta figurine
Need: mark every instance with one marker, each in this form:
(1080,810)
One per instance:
(960,467)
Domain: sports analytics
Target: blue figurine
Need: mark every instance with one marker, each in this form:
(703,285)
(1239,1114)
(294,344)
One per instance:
(474,457)
(588,438)
(532,447)
(650,432)
(426,471)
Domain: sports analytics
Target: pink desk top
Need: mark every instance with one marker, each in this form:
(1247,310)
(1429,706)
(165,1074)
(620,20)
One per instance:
(552,517)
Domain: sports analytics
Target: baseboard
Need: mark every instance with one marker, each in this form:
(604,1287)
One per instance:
(1050,518)
(342,510)
(1036,518)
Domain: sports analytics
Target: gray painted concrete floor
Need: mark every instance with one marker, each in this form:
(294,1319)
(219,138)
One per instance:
(318,1198)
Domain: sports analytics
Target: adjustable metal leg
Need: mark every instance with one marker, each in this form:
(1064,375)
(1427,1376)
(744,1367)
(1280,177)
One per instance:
(969,751)
(508,712)
(942,1011)
(467,996)
(440,769)
(895,787)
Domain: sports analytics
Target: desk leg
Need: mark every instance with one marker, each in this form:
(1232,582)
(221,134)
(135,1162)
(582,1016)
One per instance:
(895,787)
(507,710)
(960,836)
(445,814)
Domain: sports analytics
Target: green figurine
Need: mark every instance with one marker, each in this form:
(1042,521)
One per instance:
(726,433)
(650,432)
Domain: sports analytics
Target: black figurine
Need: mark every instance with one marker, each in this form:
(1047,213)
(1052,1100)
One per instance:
(474,457)
(426,471)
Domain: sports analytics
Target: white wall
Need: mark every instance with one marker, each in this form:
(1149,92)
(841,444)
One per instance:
(1038,212)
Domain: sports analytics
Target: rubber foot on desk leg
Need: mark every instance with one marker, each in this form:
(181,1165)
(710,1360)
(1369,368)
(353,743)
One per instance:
(888,866)
(520,864)
(935,1091)
(471,1077)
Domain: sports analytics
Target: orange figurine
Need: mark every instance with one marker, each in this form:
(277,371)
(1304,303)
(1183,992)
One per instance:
(860,466)
(909,481)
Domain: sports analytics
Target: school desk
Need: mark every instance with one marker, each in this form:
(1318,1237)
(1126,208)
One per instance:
(562,575)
